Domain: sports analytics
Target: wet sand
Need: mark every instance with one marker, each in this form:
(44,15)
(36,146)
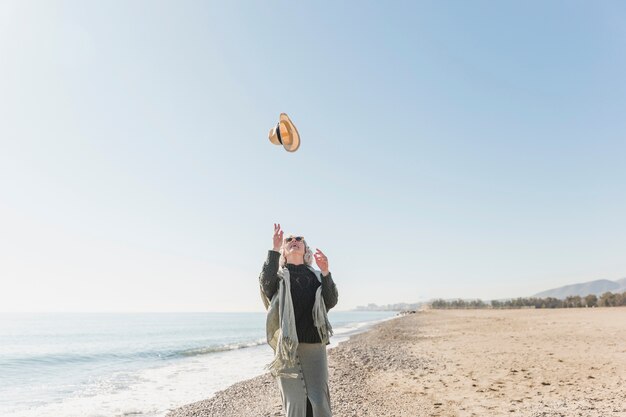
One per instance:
(560,362)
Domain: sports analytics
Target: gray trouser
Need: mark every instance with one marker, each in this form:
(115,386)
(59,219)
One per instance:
(311,383)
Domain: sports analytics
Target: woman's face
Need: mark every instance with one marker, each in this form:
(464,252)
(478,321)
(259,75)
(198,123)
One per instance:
(293,245)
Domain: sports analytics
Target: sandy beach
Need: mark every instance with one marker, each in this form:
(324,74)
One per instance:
(561,362)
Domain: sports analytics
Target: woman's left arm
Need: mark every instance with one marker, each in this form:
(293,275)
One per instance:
(329,289)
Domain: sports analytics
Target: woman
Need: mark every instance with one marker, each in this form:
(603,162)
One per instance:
(298,298)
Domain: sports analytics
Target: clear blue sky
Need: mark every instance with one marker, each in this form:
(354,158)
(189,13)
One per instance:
(449,149)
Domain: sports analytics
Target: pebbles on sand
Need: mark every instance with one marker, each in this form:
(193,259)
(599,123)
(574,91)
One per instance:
(539,363)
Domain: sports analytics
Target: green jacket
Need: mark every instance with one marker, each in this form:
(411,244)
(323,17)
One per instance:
(280,324)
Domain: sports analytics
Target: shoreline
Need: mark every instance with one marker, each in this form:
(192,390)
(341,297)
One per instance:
(538,363)
(366,327)
(158,376)
(265,380)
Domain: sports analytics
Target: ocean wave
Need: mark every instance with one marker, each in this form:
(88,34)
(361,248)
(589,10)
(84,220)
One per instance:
(61,359)
(219,348)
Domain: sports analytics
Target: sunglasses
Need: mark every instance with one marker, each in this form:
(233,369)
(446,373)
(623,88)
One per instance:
(297,238)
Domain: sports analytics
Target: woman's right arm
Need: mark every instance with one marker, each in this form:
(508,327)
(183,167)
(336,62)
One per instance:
(269,274)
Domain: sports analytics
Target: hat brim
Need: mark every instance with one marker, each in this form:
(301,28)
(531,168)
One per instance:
(293,132)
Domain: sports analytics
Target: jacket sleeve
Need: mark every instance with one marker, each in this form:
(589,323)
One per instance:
(269,274)
(329,291)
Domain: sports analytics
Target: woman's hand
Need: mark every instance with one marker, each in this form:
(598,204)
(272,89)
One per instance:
(278,237)
(322,261)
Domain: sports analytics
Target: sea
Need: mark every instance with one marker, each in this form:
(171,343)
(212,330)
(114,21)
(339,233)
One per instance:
(135,364)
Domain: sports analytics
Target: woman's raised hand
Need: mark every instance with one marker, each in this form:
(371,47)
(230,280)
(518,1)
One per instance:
(322,261)
(278,237)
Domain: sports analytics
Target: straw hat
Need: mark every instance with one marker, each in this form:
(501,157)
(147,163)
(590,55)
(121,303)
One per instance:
(285,133)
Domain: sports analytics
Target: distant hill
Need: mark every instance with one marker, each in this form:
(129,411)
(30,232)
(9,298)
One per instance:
(597,287)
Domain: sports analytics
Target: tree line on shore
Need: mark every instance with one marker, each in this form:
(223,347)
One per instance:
(608,299)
